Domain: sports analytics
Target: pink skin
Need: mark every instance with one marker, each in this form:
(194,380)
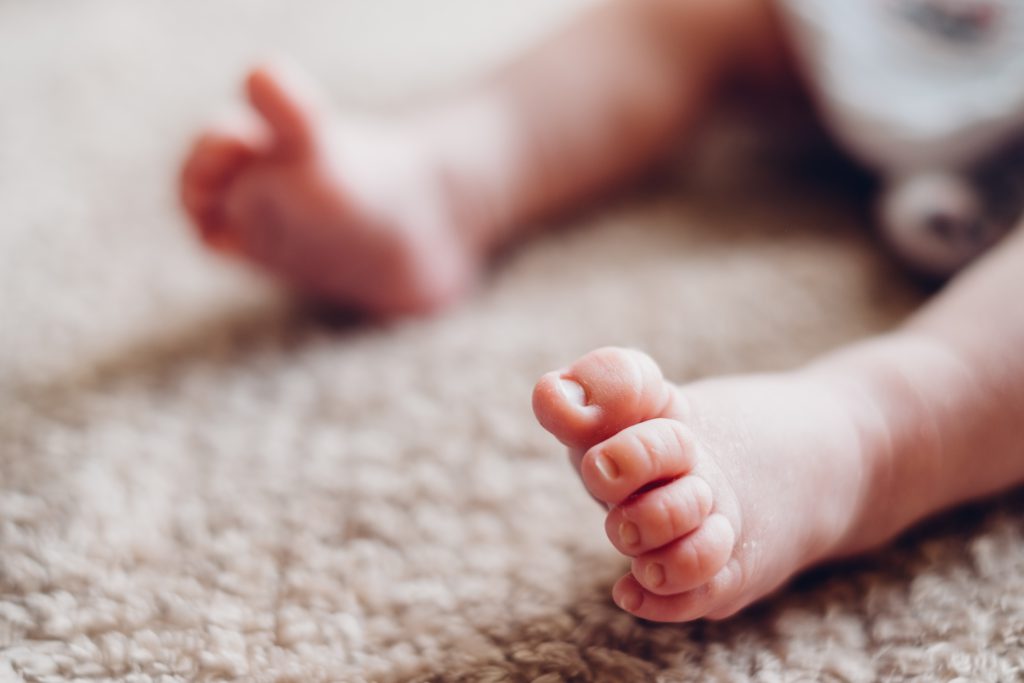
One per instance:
(719,490)
(395,215)
(712,463)
(310,198)
(722,489)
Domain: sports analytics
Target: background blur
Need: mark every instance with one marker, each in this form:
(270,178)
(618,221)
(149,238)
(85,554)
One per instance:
(200,481)
(101,100)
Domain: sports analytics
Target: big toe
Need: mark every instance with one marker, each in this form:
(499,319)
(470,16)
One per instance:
(599,395)
(291,103)
(215,160)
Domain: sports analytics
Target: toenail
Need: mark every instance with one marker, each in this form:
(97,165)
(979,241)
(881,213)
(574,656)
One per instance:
(573,391)
(629,533)
(606,466)
(629,599)
(654,575)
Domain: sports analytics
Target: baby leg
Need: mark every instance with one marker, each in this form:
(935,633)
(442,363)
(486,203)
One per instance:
(722,489)
(396,214)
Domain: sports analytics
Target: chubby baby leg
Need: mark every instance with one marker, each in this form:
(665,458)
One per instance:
(395,215)
(721,490)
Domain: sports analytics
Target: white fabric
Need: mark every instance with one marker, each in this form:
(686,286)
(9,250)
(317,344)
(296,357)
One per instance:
(903,93)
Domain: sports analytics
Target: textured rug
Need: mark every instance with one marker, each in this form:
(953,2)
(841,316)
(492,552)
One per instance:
(200,480)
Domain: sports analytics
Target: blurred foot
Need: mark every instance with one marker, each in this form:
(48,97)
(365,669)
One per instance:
(349,212)
(720,490)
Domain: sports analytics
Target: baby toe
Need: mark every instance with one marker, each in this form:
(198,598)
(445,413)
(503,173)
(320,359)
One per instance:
(291,103)
(640,456)
(689,561)
(599,395)
(659,516)
(214,161)
(716,596)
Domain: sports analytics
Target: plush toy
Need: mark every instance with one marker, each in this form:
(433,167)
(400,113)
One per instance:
(930,94)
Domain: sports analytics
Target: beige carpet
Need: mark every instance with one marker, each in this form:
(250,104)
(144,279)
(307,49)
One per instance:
(201,481)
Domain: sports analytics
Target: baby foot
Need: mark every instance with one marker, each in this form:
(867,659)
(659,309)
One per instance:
(720,490)
(349,212)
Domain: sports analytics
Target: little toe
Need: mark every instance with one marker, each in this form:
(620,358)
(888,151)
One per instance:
(659,516)
(706,600)
(599,395)
(643,455)
(689,561)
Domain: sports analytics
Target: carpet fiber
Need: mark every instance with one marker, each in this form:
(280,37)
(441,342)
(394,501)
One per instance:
(200,480)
